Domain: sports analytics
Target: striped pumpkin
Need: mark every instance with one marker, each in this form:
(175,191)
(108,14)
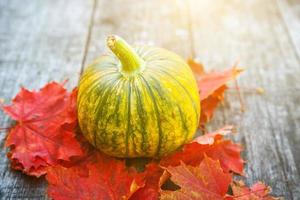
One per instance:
(139,102)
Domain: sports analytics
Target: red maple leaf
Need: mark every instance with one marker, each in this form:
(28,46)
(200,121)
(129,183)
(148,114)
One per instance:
(206,181)
(44,132)
(211,88)
(258,191)
(212,145)
(150,191)
(97,177)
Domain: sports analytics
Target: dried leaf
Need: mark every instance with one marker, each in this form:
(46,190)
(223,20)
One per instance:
(206,181)
(257,191)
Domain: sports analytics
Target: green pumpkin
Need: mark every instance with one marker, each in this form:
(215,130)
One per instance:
(139,102)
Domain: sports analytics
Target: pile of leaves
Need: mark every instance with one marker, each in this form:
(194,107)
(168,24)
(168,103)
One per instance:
(46,142)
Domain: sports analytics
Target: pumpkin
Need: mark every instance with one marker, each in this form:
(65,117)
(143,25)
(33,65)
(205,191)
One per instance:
(138,102)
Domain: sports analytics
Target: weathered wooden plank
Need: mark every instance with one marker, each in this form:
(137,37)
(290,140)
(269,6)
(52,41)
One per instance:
(40,41)
(253,33)
(160,23)
(290,13)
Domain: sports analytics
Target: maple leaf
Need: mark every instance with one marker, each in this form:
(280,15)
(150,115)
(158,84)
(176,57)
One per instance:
(212,145)
(150,191)
(44,132)
(196,67)
(97,177)
(257,191)
(209,105)
(206,181)
(210,138)
(211,88)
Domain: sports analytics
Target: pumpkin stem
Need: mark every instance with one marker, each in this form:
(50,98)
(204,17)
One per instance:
(129,59)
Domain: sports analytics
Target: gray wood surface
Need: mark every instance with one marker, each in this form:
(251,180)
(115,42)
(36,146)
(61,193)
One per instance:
(52,40)
(255,33)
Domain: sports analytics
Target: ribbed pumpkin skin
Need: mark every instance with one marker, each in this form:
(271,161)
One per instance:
(147,114)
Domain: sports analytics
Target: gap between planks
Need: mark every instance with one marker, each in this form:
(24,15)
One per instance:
(88,37)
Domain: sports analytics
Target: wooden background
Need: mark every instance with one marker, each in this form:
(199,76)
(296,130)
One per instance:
(49,40)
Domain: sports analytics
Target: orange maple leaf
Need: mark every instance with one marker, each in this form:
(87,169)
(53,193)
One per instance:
(206,181)
(211,88)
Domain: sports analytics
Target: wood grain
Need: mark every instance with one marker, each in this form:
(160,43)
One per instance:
(40,41)
(290,13)
(155,22)
(254,33)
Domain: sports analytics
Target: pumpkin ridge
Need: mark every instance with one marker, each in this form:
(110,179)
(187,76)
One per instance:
(107,117)
(184,124)
(162,93)
(104,118)
(117,109)
(99,78)
(185,90)
(100,106)
(156,113)
(141,111)
(158,90)
(105,90)
(182,86)
(128,132)
(115,116)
